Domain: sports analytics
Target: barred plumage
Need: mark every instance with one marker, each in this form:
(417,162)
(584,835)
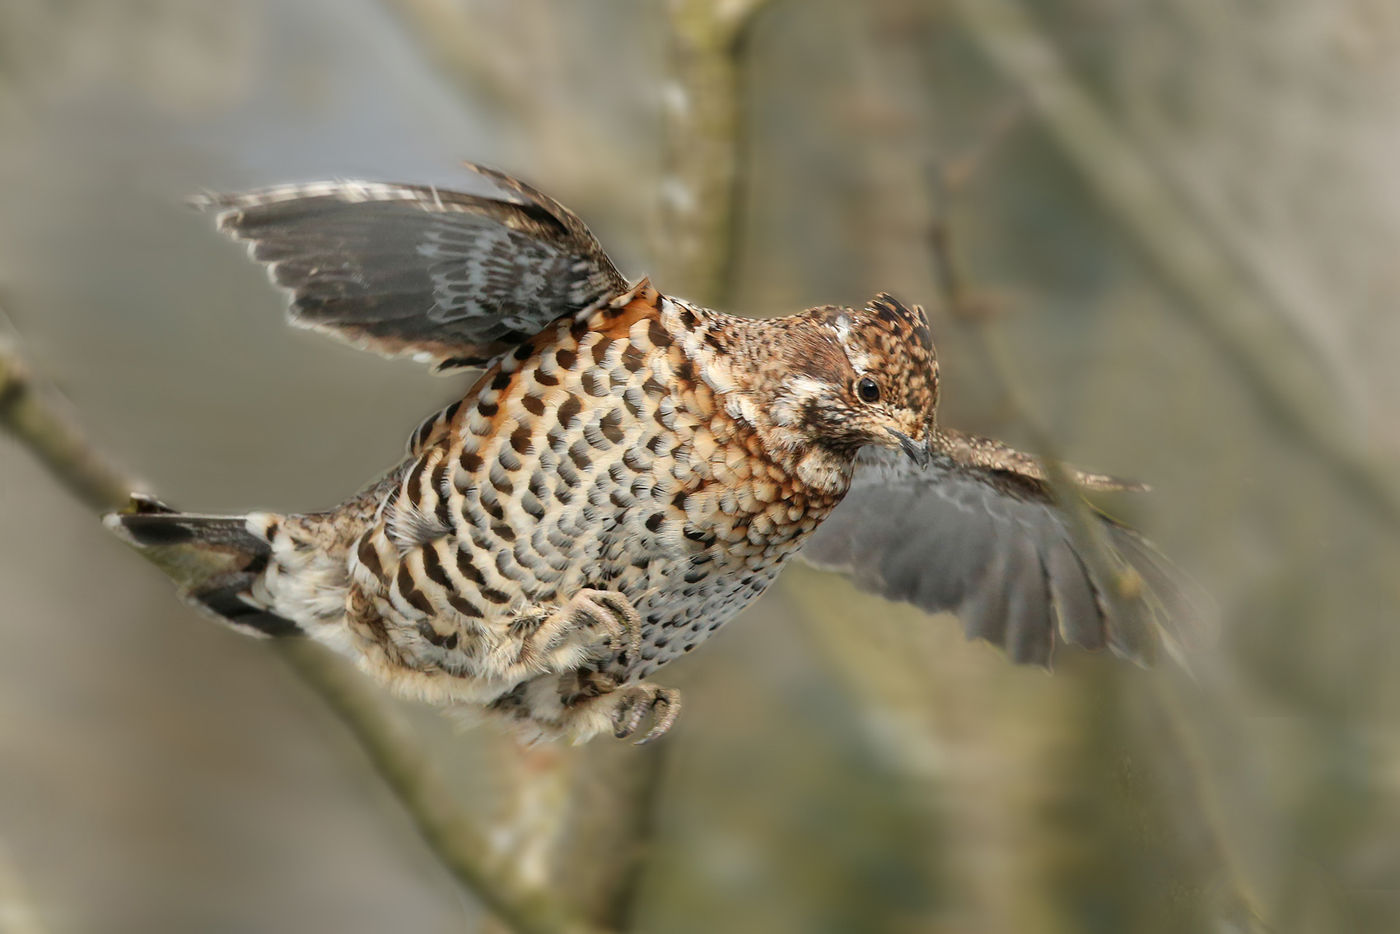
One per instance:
(629,472)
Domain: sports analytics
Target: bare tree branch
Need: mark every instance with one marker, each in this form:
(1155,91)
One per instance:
(41,421)
(697,236)
(1218,303)
(1087,534)
(703,109)
(30,413)
(453,836)
(614,796)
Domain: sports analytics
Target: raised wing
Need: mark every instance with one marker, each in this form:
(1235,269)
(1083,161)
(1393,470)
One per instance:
(446,276)
(977,533)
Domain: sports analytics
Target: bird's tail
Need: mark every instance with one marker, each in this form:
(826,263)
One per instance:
(219,562)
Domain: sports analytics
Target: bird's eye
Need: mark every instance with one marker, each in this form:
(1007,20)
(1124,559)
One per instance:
(868,390)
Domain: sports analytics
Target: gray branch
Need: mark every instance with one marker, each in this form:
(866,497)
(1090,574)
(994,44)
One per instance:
(1218,303)
(35,417)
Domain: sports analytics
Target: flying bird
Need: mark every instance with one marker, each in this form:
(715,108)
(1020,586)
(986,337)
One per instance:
(627,474)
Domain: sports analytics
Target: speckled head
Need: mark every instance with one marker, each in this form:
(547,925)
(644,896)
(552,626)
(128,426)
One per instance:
(866,376)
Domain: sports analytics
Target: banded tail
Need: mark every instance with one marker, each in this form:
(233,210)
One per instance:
(219,562)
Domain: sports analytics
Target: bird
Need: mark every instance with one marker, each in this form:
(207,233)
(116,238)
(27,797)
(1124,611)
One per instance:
(627,472)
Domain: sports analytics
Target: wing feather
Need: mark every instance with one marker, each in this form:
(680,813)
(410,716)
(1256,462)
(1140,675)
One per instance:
(448,276)
(977,533)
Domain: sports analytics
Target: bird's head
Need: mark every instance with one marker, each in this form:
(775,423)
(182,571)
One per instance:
(857,377)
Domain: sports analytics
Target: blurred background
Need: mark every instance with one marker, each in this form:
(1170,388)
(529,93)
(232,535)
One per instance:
(1178,220)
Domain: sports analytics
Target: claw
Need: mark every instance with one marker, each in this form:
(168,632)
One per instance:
(615,613)
(595,614)
(629,714)
(641,700)
(631,620)
(665,708)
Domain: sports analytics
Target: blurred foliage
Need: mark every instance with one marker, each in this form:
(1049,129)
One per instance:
(842,764)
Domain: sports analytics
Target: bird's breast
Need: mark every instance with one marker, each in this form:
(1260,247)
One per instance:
(603,457)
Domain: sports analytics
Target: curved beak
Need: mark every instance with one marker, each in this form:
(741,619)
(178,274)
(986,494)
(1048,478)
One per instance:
(918,453)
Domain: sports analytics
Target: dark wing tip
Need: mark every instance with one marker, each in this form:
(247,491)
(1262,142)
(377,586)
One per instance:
(978,537)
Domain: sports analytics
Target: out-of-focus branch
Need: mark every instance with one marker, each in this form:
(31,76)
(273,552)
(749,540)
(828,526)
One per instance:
(641,813)
(30,413)
(1218,302)
(504,59)
(962,303)
(473,59)
(42,422)
(452,836)
(696,237)
(703,109)
(614,793)
(17,912)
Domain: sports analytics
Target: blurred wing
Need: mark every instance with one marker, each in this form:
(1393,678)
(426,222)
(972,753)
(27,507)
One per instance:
(977,533)
(446,276)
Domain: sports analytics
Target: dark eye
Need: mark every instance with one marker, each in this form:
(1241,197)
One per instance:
(868,390)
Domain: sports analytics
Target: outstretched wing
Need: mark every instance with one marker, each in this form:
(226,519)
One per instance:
(977,533)
(446,276)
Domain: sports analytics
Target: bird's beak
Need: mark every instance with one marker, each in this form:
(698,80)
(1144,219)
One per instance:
(918,453)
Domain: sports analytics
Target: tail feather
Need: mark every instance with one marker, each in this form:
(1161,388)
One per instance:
(216,560)
(234,605)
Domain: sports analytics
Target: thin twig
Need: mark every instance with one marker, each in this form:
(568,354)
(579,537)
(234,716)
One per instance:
(30,413)
(1189,750)
(409,772)
(1086,533)
(42,422)
(504,61)
(471,59)
(960,301)
(1218,303)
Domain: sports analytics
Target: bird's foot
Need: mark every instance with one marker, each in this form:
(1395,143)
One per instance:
(585,703)
(593,625)
(635,702)
(618,619)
